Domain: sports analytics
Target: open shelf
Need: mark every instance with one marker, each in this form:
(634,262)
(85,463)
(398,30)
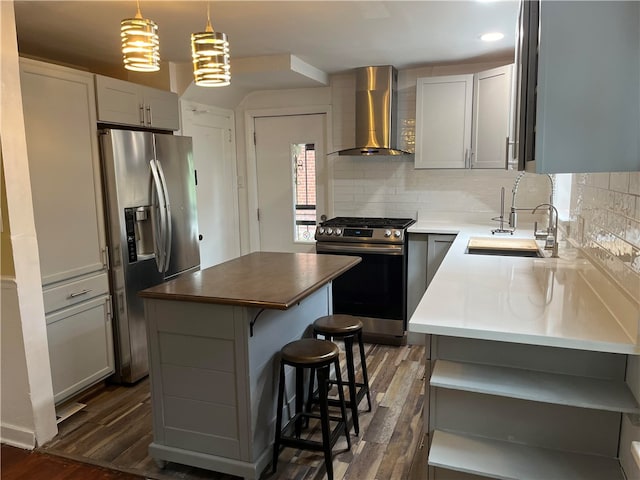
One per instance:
(505,460)
(545,387)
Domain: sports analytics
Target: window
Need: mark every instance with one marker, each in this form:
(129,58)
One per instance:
(304,191)
(562,195)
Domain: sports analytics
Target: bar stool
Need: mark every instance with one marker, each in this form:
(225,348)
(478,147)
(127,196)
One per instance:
(346,328)
(317,355)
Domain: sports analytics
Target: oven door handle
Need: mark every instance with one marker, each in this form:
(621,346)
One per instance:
(361,249)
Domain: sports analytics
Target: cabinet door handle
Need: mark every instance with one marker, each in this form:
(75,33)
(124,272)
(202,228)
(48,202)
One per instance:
(150,121)
(141,114)
(506,152)
(78,294)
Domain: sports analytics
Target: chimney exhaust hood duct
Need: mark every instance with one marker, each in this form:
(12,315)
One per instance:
(376,112)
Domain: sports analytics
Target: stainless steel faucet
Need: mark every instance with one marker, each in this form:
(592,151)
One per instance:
(553,231)
(513,216)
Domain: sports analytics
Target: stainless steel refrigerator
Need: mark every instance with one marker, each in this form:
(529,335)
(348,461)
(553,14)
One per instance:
(149,185)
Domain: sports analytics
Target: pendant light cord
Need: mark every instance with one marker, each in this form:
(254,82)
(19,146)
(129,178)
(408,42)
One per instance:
(209,27)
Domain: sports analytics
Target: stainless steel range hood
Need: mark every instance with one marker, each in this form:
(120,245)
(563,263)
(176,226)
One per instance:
(376,112)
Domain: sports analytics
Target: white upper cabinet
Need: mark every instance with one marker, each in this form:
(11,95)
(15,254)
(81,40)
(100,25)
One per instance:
(463,121)
(491,118)
(443,121)
(125,103)
(588,87)
(64,167)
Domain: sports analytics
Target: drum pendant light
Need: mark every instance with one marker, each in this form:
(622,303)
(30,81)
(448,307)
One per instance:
(210,53)
(140,44)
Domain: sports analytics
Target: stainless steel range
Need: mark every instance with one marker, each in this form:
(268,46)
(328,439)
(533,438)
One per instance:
(375,289)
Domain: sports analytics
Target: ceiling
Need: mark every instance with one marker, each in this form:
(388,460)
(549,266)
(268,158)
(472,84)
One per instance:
(327,36)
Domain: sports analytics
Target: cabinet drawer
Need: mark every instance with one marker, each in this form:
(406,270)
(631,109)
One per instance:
(74,292)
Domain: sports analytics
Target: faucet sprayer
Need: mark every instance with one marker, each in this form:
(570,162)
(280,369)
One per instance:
(554,230)
(513,217)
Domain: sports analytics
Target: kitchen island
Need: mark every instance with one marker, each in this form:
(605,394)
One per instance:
(533,365)
(213,338)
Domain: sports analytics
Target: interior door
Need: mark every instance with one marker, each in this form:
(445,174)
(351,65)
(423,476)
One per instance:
(215,163)
(291,180)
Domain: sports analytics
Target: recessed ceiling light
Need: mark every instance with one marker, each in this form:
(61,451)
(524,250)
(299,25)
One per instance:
(492,37)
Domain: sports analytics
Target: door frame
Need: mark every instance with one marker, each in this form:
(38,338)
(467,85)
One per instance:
(252,169)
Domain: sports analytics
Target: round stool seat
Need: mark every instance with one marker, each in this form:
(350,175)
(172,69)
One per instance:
(310,351)
(337,324)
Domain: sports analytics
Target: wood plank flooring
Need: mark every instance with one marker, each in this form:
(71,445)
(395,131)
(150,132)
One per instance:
(19,464)
(114,429)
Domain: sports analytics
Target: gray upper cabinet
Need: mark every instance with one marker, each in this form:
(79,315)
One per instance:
(443,121)
(464,121)
(125,103)
(491,118)
(588,87)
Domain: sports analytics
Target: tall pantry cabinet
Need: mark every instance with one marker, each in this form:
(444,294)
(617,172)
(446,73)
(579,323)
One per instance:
(62,149)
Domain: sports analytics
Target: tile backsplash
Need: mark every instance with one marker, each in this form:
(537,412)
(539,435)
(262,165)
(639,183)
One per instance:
(605,222)
(391,186)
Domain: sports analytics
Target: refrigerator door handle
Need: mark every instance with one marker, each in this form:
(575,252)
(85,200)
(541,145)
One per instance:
(158,227)
(167,227)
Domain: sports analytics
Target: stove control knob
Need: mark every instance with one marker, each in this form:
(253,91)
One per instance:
(338,231)
(320,231)
(397,233)
(387,233)
(329,231)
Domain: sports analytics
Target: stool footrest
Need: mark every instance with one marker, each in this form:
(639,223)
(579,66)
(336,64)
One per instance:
(361,392)
(292,441)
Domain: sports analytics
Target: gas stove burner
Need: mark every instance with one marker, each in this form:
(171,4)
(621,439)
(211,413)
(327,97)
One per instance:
(368,222)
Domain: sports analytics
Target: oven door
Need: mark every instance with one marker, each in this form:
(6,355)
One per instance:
(374,289)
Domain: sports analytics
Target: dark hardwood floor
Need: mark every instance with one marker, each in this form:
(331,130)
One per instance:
(18,464)
(114,430)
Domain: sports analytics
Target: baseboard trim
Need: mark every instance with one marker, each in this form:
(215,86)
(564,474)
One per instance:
(17,436)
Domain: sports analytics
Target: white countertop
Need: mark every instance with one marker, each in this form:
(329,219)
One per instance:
(541,301)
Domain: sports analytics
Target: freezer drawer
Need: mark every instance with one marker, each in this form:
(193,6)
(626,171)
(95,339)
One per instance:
(80,346)
(74,292)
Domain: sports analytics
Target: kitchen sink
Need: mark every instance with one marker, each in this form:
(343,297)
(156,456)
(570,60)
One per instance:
(505,252)
(506,247)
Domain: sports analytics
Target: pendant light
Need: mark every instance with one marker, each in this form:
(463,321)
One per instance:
(210,52)
(140,44)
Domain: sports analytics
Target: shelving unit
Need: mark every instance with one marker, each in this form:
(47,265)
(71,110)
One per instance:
(584,392)
(506,460)
(506,411)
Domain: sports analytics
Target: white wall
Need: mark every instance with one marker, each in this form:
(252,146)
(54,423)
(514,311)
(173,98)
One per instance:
(18,426)
(34,422)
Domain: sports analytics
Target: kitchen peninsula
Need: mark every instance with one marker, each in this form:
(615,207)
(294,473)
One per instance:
(213,336)
(534,365)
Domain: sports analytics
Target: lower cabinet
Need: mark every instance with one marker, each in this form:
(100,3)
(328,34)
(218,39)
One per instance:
(507,410)
(437,247)
(426,252)
(80,346)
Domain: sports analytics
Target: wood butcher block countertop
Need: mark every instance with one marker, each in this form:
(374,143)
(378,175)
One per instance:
(260,279)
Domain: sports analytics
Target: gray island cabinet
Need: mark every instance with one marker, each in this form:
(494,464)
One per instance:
(213,342)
